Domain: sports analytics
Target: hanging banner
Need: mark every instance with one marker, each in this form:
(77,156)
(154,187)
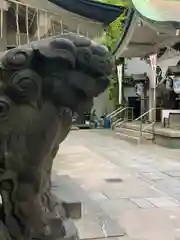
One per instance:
(176,85)
(139,88)
(153,62)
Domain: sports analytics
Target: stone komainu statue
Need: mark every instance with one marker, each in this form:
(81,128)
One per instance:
(42,85)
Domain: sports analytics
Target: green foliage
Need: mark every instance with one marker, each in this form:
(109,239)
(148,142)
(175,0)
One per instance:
(113,87)
(114,30)
(110,38)
(115,2)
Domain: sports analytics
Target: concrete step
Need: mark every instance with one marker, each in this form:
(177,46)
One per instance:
(136,126)
(131,133)
(130,139)
(134,133)
(132,125)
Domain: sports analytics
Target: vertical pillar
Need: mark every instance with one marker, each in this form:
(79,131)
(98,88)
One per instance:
(152,89)
(43,23)
(46,24)
(27,24)
(120,80)
(78,29)
(4,5)
(3,38)
(37,19)
(62,29)
(120,75)
(142,98)
(18,37)
(2,20)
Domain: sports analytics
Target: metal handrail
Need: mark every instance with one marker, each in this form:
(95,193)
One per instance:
(114,123)
(144,114)
(112,113)
(150,124)
(120,110)
(109,115)
(121,120)
(117,122)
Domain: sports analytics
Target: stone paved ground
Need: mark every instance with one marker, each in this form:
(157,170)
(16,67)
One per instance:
(137,187)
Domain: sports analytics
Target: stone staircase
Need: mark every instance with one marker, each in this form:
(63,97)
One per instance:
(130,132)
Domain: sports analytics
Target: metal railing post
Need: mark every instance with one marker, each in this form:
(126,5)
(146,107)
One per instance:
(150,124)
(141,129)
(132,109)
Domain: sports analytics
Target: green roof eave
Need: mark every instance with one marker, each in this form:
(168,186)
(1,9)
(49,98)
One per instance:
(159,10)
(126,33)
(141,36)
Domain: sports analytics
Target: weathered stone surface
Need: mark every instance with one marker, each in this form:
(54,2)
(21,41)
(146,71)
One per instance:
(95,223)
(142,203)
(95,157)
(173,173)
(41,86)
(163,202)
(4,235)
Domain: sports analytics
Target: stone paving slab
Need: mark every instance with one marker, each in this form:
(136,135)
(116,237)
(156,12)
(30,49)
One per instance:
(142,203)
(153,224)
(89,228)
(171,187)
(154,175)
(145,203)
(114,208)
(95,223)
(163,202)
(133,190)
(174,173)
(97,196)
(121,238)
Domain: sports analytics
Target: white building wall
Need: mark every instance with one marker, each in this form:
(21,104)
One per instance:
(169,59)
(102,104)
(137,66)
(129,92)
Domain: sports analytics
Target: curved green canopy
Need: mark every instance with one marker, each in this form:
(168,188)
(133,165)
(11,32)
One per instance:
(159,10)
